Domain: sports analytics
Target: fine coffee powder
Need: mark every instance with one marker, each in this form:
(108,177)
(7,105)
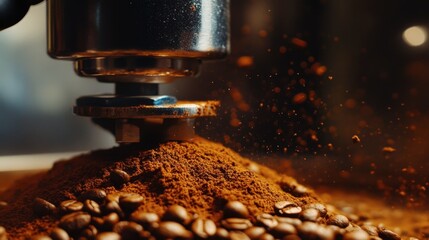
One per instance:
(200,176)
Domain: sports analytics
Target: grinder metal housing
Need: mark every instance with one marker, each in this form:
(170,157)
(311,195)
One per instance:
(137,44)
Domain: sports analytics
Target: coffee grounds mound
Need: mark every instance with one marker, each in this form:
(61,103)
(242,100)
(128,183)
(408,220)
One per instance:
(201,176)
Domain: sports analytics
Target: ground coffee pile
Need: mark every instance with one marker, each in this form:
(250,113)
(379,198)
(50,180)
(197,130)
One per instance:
(200,176)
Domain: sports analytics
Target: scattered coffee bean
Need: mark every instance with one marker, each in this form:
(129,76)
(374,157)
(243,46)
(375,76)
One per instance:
(114,197)
(98,222)
(299,191)
(178,214)
(266,220)
(92,207)
(356,235)
(146,219)
(3,233)
(236,223)
(41,237)
(308,230)
(371,230)
(95,194)
(286,208)
(379,238)
(75,221)
(128,230)
(130,202)
(108,236)
(42,207)
(171,230)
(235,209)
(69,206)
(59,234)
(338,220)
(320,207)
(112,206)
(90,232)
(119,177)
(291,237)
(110,220)
(293,221)
(266,236)
(283,229)
(238,235)
(255,232)
(203,228)
(221,233)
(309,214)
(387,234)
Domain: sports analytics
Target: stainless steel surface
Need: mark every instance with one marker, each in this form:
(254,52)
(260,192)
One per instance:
(103,34)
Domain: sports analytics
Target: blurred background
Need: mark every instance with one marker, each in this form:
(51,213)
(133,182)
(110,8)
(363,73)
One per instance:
(333,92)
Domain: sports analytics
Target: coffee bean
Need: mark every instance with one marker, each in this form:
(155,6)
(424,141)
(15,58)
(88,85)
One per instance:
(236,223)
(128,230)
(221,233)
(42,207)
(119,177)
(92,207)
(130,202)
(293,221)
(178,214)
(254,232)
(144,218)
(108,236)
(300,190)
(110,220)
(286,208)
(95,194)
(319,207)
(371,230)
(291,237)
(308,230)
(238,235)
(69,206)
(309,214)
(112,206)
(266,236)
(172,230)
(41,237)
(387,234)
(338,220)
(90,232)
(59,234)
(75,221)
(356,235)
(266,220)
(283,229)
(98,222)
(203,228)
(3,233)
(379,238)
(235,209)
(114,197)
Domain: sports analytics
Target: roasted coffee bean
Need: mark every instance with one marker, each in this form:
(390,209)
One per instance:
(69,206)
(254,232)
(112,206)
(309,214)
(266,236)
(75,221)
(172,230)
(235,209)
(291,237)
(146,219)
(286,208)
(130,202)
(108,236)
(221,233)
(338,220)
(95,194)
(308,230)
(3,233)
(387,234)
(178,214)
(98,222)
(319,207)
(356,235)
(379,238)
(203,228)
(90,232)
(42,207)
(371,230)
(119,177)
(238,235)
(114,197)
(283,229)
(59,234)
(41,237)
(128,230)
(92,207)
(236,223)
(300,190)
(293,221)
(266,220)
(110,220)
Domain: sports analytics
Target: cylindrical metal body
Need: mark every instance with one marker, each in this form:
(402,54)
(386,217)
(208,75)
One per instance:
(138,39)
